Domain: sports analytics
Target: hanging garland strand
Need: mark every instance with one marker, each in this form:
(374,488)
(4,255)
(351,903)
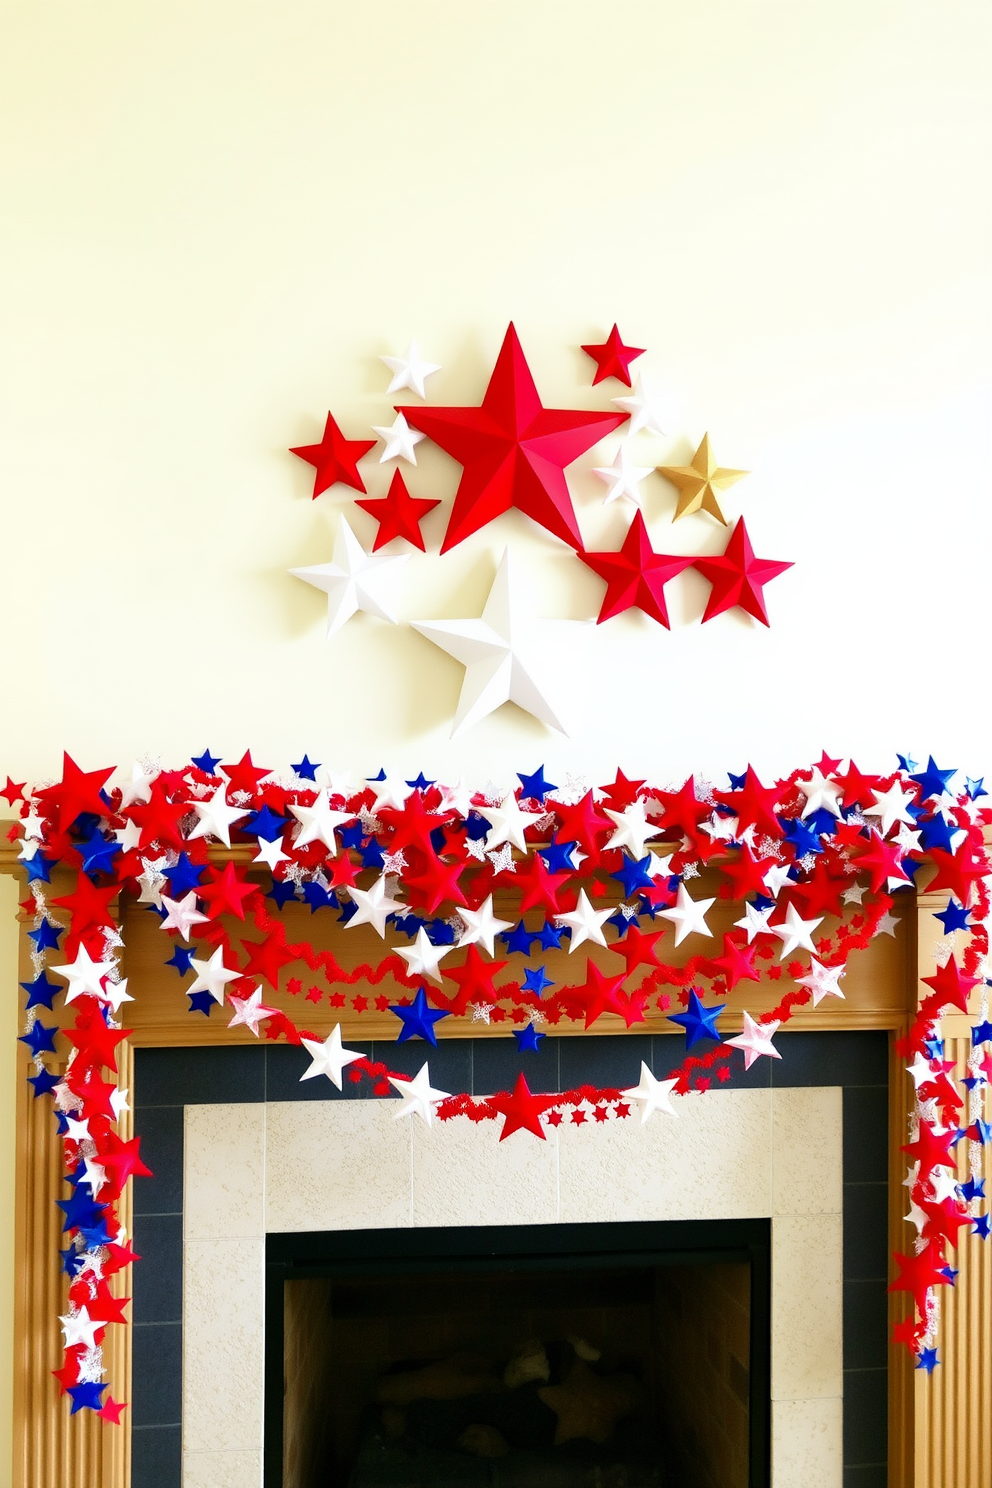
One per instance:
(421,863)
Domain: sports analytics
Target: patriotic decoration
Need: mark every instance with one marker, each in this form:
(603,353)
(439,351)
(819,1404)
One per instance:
(514,452)
(217,850)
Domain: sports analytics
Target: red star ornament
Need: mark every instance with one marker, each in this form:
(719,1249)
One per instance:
(521,1110)
(958,872)
(334,459)
(737,578)
(513,450)
(613,358)
(474,980)
(636,575)
(918,1273)
(398,513)
(951,985)
(226,893)
(76,792)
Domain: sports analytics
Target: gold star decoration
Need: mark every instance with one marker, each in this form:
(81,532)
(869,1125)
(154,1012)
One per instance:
(699,481)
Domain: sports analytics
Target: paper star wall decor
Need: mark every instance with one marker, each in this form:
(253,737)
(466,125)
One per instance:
(410,371)
(503,653)
(738,577)
(398,513)
(700,482)
(513,450)
(353,580)
(334,459)
(635,575)
(612,358)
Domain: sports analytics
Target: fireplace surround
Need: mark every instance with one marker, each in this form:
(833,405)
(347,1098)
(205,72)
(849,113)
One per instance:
(241,1149)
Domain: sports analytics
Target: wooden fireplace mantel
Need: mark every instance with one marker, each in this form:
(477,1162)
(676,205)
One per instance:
(940,1426)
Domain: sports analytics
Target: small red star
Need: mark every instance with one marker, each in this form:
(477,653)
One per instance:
(359,1004)
(737,577)
(112,1409)
(334,458)
(12,792)
(613,358)
(398,513)
(636,575)
(245,775)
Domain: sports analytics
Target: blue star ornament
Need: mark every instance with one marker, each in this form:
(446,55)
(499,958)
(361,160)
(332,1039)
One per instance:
(954,917)
(180,959)
(418,1019)
(536,981)
(551,936)
(46,936)
(981,1033)
(928,1360)
(634,875)
(933,781)
(936,831)
(282,891)
(906,762)
(518,940)
(98,854)
(421,783)
(975,788)
(183,876)
(737,782)
(80,1211)
(528,1039)
(974,1188)
(305,769)
(802,838)
(202,1002)
(265,823)
(41,992)
(698,1021)
(535,786)
(316,896)
(86,1397)
(558,856)
(39,1038)
(71,1260)
(206,762)
(43,1082)
(39,867)
(981,1226)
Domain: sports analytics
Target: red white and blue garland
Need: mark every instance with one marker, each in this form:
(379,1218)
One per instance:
(813,862)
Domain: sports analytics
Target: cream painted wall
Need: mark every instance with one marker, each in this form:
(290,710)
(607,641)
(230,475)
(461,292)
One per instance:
(218,216)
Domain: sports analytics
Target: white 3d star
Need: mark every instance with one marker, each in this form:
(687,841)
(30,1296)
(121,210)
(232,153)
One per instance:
(632,830)
(182,914)
(507,822)
(891,807)
(84,975)
(399,440)
(424,958)
(216,816)
(418,1096)
(374,907)
(409,371)
(585,923)
(80,1329)
(329,1058)
(688,915)
(623,478)
(353,580)
(755,1040)
(482,926)
(504,654)
(319,822)
(821,980)
(795,933)
(656,1095)
(212,976)
(249,1010)
(642,407)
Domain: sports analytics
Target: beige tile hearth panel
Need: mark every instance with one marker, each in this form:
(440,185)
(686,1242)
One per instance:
(224,1158)
(464,1175)
(807,1306)
(223,1343)
(336,1165)
(807,1443)
(222,1469)
(712,1162)
(807,1150)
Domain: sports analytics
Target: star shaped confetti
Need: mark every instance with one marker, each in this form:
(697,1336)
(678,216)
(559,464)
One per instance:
(513,450)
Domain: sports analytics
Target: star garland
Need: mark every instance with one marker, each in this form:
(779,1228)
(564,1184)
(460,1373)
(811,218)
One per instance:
(420,863)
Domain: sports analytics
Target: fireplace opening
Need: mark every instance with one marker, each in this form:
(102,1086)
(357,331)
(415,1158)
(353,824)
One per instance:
(558,1356)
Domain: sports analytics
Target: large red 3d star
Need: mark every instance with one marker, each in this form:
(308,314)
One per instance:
(737,577)
(514,450)
(398,513)
(522,1110)
(636,575)
(612,358)
(334,458)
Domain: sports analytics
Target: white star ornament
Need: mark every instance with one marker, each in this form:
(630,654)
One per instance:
(822,980)
(329,1058)
(795,933)
(410,371)
(216,816)
(400,440)
(418,1095)
(585,923)
(318,821)
(506,654)
(623,478)
(249,1010)
(482,926)
(755,1040)
(632,830)
(212,976)
(353,580)
(654,1095)
(507,823)
(642,406)
(688,915)
(374,907)
(423,957)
